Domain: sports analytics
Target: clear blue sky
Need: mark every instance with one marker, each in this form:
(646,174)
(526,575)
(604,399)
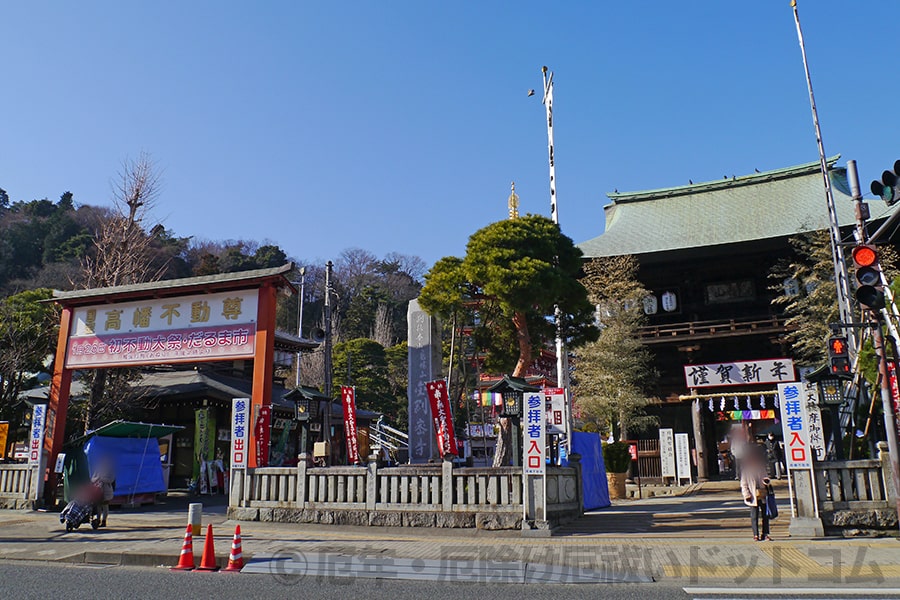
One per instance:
(398,126)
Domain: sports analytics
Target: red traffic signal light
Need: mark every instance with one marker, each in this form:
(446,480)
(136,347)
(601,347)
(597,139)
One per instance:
(865,256)
(869,292)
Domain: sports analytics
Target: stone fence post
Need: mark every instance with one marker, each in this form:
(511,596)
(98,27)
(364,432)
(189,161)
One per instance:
(575,463)
(372,482)
(301,479)
(887,473)
(447,483)
(236,483)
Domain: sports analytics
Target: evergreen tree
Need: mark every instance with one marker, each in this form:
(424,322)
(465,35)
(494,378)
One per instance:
(614,375)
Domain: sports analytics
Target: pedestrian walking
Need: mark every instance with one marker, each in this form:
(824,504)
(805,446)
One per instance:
(105,478)
(754,487)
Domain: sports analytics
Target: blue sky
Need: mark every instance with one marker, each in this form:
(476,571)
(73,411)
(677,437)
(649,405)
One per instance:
(398,126)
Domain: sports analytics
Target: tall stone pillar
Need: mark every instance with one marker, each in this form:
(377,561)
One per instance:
(424,338)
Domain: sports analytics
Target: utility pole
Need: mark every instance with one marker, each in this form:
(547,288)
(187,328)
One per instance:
(326,425)
(837,253)
(562,359)
(300,320)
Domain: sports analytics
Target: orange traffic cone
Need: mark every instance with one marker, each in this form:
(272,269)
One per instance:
(208,561)
(236,557)
(186,560)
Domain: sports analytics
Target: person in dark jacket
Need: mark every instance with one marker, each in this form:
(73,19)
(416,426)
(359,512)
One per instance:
(105,477)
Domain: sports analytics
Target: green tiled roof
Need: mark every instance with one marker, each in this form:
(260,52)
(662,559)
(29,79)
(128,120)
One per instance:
(764,205)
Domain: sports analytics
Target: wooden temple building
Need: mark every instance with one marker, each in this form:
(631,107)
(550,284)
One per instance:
(705,253)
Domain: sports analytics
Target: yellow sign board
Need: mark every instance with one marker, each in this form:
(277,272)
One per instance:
(4,433)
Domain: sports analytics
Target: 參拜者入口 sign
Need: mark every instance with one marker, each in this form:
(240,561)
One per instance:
(535,446)
(751,372)
(795,426)
(163,330)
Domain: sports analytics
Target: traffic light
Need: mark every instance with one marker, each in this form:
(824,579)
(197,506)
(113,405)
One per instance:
(869,292)
(838,355)
(888,189)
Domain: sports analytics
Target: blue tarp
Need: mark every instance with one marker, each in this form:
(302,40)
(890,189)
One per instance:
(137,464)
(593,471)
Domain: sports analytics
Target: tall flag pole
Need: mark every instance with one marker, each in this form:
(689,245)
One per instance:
(562,359)
(837,252)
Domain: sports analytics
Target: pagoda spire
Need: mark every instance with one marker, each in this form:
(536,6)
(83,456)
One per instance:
(513,202)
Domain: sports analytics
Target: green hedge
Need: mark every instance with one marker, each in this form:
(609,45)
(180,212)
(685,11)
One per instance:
(616,457)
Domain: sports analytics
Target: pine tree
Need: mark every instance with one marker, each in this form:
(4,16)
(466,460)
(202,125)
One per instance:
(614,374)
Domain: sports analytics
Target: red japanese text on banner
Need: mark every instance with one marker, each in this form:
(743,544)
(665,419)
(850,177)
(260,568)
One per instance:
(348,398)
(442,417)
(262,436)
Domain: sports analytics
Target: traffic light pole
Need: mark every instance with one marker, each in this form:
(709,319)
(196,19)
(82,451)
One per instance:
(878,340)
(887,406)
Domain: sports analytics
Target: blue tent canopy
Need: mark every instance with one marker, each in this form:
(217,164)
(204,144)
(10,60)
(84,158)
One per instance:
(136,461)
(593,471)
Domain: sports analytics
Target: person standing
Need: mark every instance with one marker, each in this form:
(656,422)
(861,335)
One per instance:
(738,447)
(774,457)
(754,486)
(105,478)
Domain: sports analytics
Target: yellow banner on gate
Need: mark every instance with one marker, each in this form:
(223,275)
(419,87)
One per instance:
(4,433)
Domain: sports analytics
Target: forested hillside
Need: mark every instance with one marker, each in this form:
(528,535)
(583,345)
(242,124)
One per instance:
(67,245)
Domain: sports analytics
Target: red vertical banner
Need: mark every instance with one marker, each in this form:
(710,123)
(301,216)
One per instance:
(348,396)
(441,416)
(895,389)
(263,420)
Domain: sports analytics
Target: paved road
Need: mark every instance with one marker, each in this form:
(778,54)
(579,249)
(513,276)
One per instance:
(39,581)
(700,540)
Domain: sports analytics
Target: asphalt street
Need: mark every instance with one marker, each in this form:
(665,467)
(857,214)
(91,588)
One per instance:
(26,580)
